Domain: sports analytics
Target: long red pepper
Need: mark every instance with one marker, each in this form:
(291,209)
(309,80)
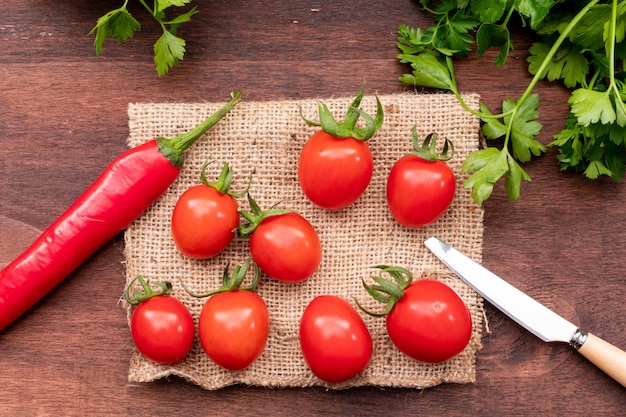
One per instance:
(126,188)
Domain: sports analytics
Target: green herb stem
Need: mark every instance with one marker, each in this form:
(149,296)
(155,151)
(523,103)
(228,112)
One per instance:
(538,75)
(148,8)
(557,44)
(457,94)
(508,17)
(612,44)
(544,65)
(611,57)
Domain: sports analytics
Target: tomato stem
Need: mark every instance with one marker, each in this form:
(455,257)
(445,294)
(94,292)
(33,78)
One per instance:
(147,291)
(428,148)
(231,282)
(224,181)
(348,128)
(256,216)
(387,292)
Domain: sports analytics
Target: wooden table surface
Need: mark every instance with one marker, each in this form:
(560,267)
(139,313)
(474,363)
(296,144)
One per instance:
(63,118)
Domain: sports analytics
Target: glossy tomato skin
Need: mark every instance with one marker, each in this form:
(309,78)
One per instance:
(286,247)
(203,221)
(430,323)
(334,172)
(233,328)
(419,191)
(163,329)
(335,342)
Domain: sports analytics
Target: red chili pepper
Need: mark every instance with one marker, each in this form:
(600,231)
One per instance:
(126,188)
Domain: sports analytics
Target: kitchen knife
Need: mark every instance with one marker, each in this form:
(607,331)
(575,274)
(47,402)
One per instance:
(529,313)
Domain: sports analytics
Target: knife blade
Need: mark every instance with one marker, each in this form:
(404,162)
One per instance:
(529,313)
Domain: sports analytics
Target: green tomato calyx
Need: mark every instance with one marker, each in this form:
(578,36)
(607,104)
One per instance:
(428,148)
(348,127)
(232,282)
(223,183)
(148,290)
(385,290)
(255,217)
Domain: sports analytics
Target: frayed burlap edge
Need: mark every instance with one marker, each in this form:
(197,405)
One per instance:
(265,138)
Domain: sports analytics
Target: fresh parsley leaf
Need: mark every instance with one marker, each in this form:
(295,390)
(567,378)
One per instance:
(452,34)
(164,4)
(591,106)
(595,150)
(490,35)
(615,158)
(488,166)
(412,40)
(118,24)
(620,109)
(488,11)
(555,23)
(589,32)
(513,178)
(524,127)
(428,71)
(183,18)
(568,64)
(168,50)
(520,125)
(571,147)
(537,10)
(595,169)
(445,6)
(492,128)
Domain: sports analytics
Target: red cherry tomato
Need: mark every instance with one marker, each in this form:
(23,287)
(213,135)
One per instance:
(430,323)
(334,172)
(162,329)
(334,339)
(203,221)
(286,247)
(233,328)
(420,190)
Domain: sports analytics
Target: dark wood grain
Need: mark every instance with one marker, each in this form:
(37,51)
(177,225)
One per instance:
(63,118)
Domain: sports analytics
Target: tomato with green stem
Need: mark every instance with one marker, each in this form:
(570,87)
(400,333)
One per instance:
(335,342)
(420,185)
(336,164)
(234,323)
(425,319)
(161,325)
(206,216)
(282,242)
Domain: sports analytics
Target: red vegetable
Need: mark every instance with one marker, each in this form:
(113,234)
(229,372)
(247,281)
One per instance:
(205,217)
(336,164)
(421,186)
(161,325)
(334,339)
(282,243)
(234,323)
(425,319)
(127,187)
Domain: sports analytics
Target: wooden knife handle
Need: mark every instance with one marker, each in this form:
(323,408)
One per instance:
(605,356)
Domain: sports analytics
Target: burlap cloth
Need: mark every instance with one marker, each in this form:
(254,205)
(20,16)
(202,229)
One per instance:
(266,137)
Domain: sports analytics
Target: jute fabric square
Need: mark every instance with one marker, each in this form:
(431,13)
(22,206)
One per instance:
(265,138)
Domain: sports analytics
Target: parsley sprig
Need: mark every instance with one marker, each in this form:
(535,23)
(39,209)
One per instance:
(120,24)
(579,43)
